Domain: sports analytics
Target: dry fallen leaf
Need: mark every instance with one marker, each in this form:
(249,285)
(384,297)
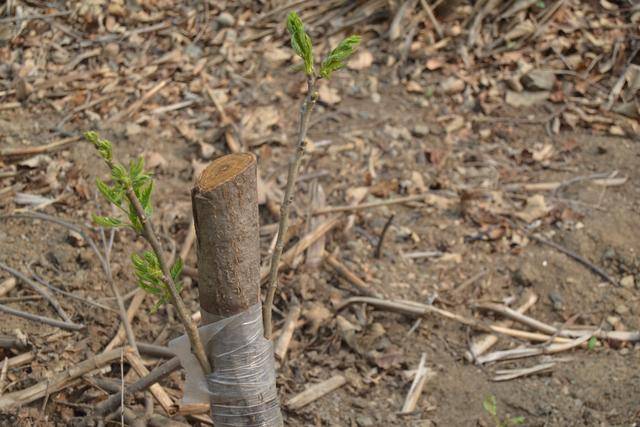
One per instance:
(535,208)
(328,95)
(362,60)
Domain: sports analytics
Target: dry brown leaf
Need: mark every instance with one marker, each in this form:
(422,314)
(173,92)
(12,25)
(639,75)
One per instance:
(328,95)
(362,60)
(535,208)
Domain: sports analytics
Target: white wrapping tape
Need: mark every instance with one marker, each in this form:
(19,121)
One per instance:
(242,387)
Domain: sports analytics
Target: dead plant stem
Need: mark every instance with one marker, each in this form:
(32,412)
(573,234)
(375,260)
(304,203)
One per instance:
(294,166)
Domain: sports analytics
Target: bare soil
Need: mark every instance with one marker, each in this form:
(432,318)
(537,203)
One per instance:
(382,146)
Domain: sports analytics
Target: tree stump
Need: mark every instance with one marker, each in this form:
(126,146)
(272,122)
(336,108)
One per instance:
(242,386)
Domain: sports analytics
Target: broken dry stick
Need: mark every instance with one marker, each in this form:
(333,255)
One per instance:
(143,383)
(156,389)
(350,276)
(46,320)
(482,344)
(633,336)
(315,392)
(302,244)
(510,374)
(225,213)
(57,382)
(282,344)
(427,198)
(519,353)
(411,401)
(32,151)
(19,360)
(136,302)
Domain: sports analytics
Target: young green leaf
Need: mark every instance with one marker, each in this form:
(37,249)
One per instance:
(102,145)
(336,59)
(591,344)
(119,174)
(145,198)
(135,167)
(300,41)
(489,404)
(106,221)
(516,421)
(176,269)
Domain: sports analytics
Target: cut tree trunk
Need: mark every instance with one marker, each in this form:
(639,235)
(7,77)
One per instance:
(225,211)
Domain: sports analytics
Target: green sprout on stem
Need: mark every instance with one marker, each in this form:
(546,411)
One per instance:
(147,266)
(302,46)
(130,191)
(491,407)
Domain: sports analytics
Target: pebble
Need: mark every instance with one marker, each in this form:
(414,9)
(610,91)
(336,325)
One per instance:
(225,19)
(420,130)
(628,281)
(622,309)
(539,80)
(452,85)
(365,421)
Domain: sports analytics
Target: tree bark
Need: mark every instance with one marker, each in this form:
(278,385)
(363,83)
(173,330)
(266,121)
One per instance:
(225,211)
(242,386)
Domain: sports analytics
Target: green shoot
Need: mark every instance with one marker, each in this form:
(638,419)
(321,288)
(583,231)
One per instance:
(301,44)
(147,267)
(336,59)
(491,407)
(130,191)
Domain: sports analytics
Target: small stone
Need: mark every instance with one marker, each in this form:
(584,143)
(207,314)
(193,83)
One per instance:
(622,309)
(364,421)
(112,49)
(376,98)
(556,300)
(539,80)
(133,129)
(452,85)
(485,133)
(397,132)
(420,130)
(525,99)
(628,281)
(225,19)
(194,51)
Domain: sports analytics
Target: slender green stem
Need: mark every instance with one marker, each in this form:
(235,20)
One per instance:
(190,328)
(294,166)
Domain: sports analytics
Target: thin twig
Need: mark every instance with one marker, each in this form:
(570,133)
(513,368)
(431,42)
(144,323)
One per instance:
(143,383)
(350,276)
(66,224)
(594,268)
(294,166)
(46,320)
(32,151)
(131,338)
(411,401)
(39,289)
(378,251)
(43,282)
(397,200)
(58,381)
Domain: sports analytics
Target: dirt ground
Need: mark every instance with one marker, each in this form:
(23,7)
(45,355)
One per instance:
(392,142)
